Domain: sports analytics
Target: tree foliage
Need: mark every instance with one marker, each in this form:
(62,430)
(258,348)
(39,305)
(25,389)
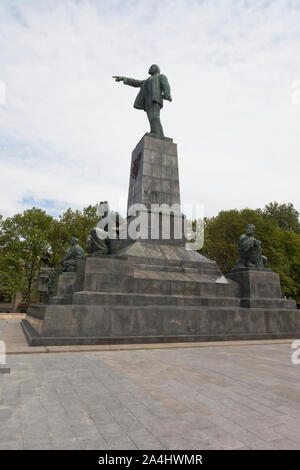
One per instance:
(23,243)
(34,239)
(286,216)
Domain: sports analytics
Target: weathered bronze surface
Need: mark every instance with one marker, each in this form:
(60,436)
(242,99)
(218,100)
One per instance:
(74,254)
(250,251)
(150,98)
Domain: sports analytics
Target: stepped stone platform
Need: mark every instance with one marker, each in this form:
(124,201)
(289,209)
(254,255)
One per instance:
(150,294)
(157,290)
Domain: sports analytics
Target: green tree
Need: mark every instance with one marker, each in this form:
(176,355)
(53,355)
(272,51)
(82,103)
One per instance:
(23,246)
(34,239)
(287,262)
(286,216)
(281,247)
(77,224)
(11,279)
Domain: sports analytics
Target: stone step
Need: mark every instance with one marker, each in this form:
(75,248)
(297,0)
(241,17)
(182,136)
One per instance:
(158,282)
(37,310)
(184,285)
(58,300)
(122,299)
(160,323)
(154,254)
(180,269)
(163,264)
(268,303)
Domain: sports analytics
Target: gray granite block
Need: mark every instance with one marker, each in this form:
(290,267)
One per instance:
(257,283)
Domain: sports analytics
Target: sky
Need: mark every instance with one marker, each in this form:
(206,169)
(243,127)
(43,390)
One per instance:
(67,129)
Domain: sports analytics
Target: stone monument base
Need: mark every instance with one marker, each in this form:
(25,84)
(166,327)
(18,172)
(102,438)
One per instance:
(153,293)
(155,290)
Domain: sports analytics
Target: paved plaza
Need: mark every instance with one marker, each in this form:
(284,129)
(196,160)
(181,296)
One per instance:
(213,397)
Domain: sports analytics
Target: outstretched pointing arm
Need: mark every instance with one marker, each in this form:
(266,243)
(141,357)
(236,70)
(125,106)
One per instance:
(129,81)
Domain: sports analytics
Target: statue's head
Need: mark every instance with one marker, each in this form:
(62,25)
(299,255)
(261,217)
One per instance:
(250,229)
(154,69)
(103,208)
(74,240)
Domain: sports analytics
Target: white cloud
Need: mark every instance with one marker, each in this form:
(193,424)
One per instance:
(67,130)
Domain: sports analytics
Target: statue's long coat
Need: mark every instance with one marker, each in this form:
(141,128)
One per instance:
(159,87)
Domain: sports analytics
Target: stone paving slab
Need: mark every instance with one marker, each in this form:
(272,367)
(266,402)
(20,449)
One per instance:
(12,316)
(225,397)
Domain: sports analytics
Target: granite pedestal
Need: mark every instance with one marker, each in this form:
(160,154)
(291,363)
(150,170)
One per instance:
(154,192)
(260,288)
(65,289)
